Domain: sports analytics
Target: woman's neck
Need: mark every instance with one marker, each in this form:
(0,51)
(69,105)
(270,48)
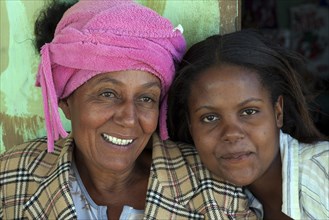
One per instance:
(268,186)
(268,190)
(110,189)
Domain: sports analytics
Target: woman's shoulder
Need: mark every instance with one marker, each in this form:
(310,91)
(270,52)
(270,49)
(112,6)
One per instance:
(29,148)
(29,152)
(313,179)
(318,150)
(304,151)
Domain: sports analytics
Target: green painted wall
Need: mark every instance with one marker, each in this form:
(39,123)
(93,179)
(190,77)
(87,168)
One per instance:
(21,113)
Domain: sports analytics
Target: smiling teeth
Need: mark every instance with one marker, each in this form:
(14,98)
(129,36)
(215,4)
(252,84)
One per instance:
(117,141)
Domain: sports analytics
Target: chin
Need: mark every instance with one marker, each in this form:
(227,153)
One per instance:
(238,179)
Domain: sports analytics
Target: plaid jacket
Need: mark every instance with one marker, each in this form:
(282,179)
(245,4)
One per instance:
(180,187)
(34,184)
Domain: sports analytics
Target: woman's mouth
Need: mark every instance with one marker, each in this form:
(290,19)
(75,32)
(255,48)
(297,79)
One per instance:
(236,156)
(115,140)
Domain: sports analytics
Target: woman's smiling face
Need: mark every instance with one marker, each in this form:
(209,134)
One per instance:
(233,123)
(113,116)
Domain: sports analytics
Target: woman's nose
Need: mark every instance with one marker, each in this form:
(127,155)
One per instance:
(232,131)
(126,114)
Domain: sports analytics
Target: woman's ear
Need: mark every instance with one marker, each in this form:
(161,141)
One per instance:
(278,111)
(64,105)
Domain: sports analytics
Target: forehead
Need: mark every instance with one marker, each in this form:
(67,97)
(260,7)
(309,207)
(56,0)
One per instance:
(131,76)
(227,81)
(131,80)
(227,74)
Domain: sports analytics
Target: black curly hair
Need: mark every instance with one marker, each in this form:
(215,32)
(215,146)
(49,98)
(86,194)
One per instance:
(47,20)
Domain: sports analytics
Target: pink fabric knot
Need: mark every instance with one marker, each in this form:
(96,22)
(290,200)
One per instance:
(91,37)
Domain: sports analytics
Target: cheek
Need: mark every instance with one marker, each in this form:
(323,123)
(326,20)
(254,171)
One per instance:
(200,134)
(267,142)
(208,157)
(89,117)
(203,141)
(149,121)
(203,150)
(195,134)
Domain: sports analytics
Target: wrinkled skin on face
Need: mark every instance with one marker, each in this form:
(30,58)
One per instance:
(234,124)
(113,116)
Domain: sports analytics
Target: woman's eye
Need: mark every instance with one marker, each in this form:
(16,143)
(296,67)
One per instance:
(108,94)
(249,112)
(210,118)
(147,102)
(146,99)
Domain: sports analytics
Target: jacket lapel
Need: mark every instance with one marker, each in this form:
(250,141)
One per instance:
(172,183)
(50,192)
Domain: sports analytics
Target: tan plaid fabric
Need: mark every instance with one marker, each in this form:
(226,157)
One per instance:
(180,187)
(34,183)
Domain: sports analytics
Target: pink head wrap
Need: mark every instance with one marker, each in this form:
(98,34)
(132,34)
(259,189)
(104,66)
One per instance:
(94,37)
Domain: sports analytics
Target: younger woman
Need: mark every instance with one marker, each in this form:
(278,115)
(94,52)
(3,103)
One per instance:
(238,98)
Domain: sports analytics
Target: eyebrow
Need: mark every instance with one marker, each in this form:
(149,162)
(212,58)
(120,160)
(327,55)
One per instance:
(152,84)
(250,100)
(107,80)
(240,104)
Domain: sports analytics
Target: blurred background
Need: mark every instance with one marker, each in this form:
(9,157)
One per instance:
(301,25)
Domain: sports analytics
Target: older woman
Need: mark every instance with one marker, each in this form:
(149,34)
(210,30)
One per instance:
(109,65)
(108,68)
